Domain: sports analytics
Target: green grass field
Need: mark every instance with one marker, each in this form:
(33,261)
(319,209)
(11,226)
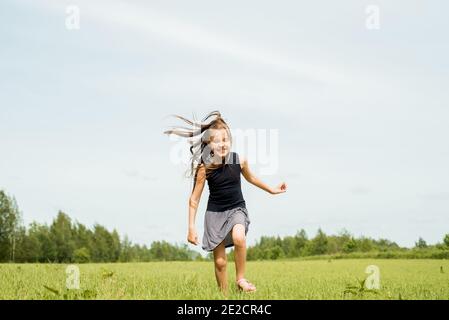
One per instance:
(315,279)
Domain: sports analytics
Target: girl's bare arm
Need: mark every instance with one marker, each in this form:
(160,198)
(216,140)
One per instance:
(251,178)
(194,201)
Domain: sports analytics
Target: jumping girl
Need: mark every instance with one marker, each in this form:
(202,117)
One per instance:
(226,219)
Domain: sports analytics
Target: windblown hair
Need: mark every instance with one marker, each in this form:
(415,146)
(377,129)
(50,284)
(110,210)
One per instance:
(199,138)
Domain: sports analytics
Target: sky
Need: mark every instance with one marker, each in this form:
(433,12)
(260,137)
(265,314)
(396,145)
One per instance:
(359,113)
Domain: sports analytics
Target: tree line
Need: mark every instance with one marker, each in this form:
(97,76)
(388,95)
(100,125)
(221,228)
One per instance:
(343,245)
(65,241)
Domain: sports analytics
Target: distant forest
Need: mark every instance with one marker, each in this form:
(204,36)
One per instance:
(66,241)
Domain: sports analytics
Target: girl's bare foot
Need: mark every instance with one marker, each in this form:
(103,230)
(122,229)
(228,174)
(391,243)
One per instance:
(245,285)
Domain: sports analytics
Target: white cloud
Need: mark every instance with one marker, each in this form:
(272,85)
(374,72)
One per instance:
(149,22)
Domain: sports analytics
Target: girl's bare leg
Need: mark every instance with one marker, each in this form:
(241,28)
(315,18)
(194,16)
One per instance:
(220,267)
(239,239)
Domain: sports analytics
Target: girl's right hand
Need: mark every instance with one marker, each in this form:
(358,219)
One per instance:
(192,237)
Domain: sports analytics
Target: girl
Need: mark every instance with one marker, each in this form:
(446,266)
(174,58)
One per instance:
(226,219)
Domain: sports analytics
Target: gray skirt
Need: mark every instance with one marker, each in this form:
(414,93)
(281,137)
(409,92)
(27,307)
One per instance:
(218,226)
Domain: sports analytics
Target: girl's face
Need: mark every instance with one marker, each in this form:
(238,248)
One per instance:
(220,143)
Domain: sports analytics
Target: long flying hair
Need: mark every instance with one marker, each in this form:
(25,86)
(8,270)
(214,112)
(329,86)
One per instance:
(199,135)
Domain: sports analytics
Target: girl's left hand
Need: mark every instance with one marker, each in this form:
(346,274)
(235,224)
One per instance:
(281,188)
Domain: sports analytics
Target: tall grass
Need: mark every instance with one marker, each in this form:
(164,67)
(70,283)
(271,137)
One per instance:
(282,279)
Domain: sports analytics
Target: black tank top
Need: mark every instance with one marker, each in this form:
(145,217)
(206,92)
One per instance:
(225,191)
